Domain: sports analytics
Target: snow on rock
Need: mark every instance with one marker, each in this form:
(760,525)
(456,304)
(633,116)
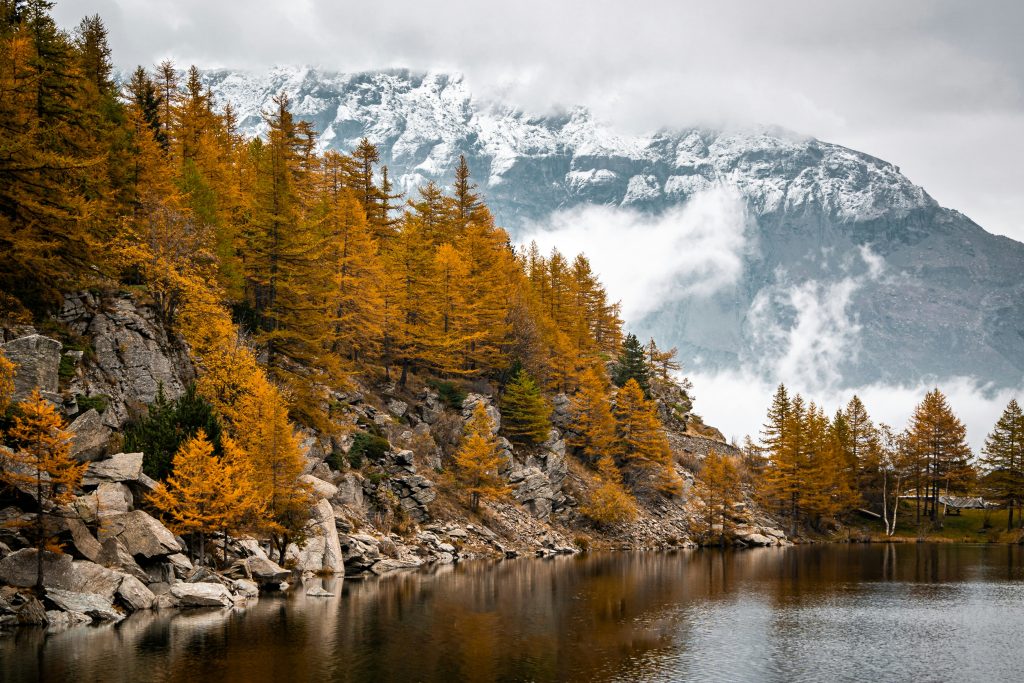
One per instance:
(422,122)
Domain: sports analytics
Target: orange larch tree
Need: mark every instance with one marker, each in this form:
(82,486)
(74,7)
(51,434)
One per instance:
(41,465)
(477,462)
(643,447)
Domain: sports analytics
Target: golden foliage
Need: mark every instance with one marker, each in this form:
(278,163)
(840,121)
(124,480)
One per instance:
(207,493)
(263,431)
(609,503)
(594,426)
(41,464)
(477,462)
(717,488)
(642,445)
(7,372)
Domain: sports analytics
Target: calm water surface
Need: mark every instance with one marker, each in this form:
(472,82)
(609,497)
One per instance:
(825,613)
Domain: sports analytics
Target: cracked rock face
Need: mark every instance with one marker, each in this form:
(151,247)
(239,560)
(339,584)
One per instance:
(133,355)
(805,210)
(37,363)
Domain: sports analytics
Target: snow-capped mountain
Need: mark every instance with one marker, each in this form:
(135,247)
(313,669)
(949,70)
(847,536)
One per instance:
(851,273)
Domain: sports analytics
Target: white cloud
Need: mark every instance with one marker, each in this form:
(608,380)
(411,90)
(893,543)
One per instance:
(736,401)
(936,86)
(689,251)
(803,331)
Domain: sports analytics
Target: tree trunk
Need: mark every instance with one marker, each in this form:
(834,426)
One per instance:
(40,526)
(885,501)
(895,506)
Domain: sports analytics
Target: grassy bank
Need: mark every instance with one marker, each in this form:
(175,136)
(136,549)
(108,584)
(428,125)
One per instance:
(970,526)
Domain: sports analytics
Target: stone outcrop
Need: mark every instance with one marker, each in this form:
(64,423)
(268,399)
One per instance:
(360,551)
(114,555)
(93,605)
(83,540)
(120,467)
(320,488)
(321,552)
(538,480)
(110,499)
(91,436)
(470,403)
(759,536)
(133,355)
(78,586)
(350,491)
(699,446)
(37,364)
(141,534)
(414,493)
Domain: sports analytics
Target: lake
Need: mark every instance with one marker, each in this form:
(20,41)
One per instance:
(924,612)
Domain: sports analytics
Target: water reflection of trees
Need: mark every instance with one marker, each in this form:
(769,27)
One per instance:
(591,618)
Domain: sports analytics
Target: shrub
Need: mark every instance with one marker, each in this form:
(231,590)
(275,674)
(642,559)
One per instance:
(99,402)
(369,446)
(67,367)
(449,392)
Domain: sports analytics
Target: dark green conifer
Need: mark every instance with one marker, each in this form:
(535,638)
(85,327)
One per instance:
(525,415)
(632,364)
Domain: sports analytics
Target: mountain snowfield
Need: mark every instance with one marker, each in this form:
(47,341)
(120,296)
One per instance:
(422,122)
(759,253)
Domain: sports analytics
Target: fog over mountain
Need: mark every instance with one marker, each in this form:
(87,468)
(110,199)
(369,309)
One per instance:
(762,254)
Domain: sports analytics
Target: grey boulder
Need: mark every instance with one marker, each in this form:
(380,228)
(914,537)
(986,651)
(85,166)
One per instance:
(118,467)
(37,363)
(90,436)
(202,595)
(141,534)
(99,607)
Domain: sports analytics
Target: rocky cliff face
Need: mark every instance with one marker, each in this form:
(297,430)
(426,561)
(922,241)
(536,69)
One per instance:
(376,512)
(835,242)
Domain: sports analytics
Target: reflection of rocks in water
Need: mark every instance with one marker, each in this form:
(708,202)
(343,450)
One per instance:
(596,617)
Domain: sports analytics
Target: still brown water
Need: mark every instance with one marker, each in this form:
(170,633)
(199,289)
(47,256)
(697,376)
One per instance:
(813,613)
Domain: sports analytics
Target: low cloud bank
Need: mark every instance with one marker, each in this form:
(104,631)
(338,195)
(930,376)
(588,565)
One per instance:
(736,401)
(647,262)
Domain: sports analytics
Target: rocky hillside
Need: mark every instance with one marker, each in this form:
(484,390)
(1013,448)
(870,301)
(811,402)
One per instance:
(104,358)
(836,243)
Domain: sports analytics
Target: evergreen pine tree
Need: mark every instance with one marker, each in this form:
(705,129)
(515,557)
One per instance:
(526,416)
(632,365)
(166,425)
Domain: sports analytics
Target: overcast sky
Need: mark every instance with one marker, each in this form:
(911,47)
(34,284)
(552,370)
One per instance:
(935,87)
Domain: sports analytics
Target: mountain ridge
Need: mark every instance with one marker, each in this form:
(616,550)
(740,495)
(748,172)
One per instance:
(946,300)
